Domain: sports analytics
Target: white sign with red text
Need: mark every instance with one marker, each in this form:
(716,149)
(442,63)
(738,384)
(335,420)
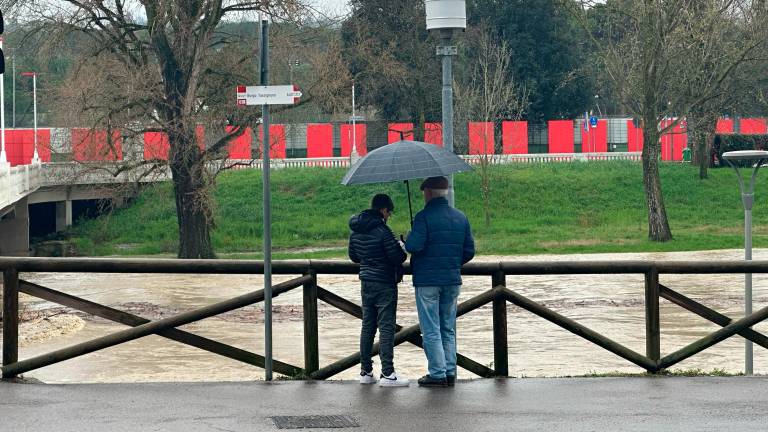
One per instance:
(268,95)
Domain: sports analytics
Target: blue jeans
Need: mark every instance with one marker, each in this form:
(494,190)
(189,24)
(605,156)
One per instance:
(437,318)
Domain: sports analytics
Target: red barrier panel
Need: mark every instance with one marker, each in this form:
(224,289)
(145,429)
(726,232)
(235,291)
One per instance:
(319,140)
(156,146)
(724,126)
(560,136)
(393,133)
(514,137)
(673,141)
(240,147)
(679,140)
(276,140)
(666,141)
(481,138)
(90,145)
(200,136)
(596,139)
(20,143)
(634,137)
(433,133)
(752,126)
(360,139)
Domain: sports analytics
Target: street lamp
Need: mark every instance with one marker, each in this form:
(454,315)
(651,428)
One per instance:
(35,157)
(747,198)
(446,16)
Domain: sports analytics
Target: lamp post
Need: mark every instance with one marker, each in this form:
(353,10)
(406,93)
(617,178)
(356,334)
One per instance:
(747,198)
(446,16)
(35,157)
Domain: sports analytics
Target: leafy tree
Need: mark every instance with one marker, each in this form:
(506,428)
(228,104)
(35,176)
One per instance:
(549,51)
(391,57)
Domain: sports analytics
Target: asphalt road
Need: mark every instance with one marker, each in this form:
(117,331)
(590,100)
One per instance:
(575,404)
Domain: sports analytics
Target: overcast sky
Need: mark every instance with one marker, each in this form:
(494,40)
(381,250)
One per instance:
(332,6)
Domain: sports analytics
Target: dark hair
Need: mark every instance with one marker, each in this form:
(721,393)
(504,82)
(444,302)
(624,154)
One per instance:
(382,201)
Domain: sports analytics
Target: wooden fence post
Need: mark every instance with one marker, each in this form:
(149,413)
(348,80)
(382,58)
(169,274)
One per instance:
(652,326)
(311,337)
(10,318)
(500,343)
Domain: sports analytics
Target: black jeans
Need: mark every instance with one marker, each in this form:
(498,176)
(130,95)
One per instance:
(379,310)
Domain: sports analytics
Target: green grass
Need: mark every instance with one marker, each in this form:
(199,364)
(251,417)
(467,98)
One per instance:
(553,208)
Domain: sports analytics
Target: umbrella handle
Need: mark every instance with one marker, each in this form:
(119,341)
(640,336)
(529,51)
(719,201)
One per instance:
(410,209)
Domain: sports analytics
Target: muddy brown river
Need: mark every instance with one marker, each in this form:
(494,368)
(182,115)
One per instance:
(610,304)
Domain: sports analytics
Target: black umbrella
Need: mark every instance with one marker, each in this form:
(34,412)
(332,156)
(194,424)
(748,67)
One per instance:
(403,161)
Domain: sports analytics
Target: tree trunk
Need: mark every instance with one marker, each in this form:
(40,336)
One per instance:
(193,204)
(705,156)
(658,226)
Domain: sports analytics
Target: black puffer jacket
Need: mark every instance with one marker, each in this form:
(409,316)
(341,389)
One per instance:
(373,245)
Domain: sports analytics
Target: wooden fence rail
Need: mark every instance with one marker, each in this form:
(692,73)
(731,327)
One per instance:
(307,271)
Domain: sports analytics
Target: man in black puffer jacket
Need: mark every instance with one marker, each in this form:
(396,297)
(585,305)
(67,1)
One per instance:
(373,245)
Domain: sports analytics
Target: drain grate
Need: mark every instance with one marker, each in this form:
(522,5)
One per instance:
(315,421)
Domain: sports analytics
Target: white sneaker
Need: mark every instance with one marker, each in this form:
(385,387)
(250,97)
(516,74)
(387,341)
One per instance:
(393,380)
(367,378)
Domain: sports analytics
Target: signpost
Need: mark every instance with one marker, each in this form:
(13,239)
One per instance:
(266,95)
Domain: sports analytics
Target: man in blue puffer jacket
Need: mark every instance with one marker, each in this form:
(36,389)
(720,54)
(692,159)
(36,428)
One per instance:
(440,243)
(373,245)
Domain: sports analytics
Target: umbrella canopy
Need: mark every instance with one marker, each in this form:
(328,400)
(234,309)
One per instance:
(404,160)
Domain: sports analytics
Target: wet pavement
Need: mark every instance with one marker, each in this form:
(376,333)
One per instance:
(578,404)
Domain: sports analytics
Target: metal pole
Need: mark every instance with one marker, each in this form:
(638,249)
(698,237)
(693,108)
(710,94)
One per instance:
(265,167)
(3,157)
(13,91)
(447,51)
(748,370)
(35,157)
(353,152)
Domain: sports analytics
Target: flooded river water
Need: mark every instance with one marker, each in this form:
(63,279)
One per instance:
(610,304)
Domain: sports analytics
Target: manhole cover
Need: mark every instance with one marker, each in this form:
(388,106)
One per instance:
(316,421)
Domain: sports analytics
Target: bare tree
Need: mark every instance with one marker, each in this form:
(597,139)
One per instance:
(169,65)
(489,96)
(667,58)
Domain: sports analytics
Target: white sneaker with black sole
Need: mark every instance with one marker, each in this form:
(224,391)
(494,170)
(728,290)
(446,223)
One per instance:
(367,377)
(393,380)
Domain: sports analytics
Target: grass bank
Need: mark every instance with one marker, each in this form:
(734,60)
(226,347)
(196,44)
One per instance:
(554,208)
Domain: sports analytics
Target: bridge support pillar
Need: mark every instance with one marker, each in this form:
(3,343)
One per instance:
(63,215)
(14,231)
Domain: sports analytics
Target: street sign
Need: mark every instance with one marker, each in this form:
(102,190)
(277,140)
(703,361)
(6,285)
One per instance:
(268,95)
(356,118)
(593,121)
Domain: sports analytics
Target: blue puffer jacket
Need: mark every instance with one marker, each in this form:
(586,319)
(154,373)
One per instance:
(373,245)
(440,243)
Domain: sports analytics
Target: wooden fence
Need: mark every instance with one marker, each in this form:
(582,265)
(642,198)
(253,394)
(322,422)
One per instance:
(307,272)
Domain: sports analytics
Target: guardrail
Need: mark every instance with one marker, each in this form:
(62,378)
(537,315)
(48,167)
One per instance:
(309,270)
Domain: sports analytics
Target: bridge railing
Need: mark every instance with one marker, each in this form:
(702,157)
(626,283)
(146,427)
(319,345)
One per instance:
(309,278)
